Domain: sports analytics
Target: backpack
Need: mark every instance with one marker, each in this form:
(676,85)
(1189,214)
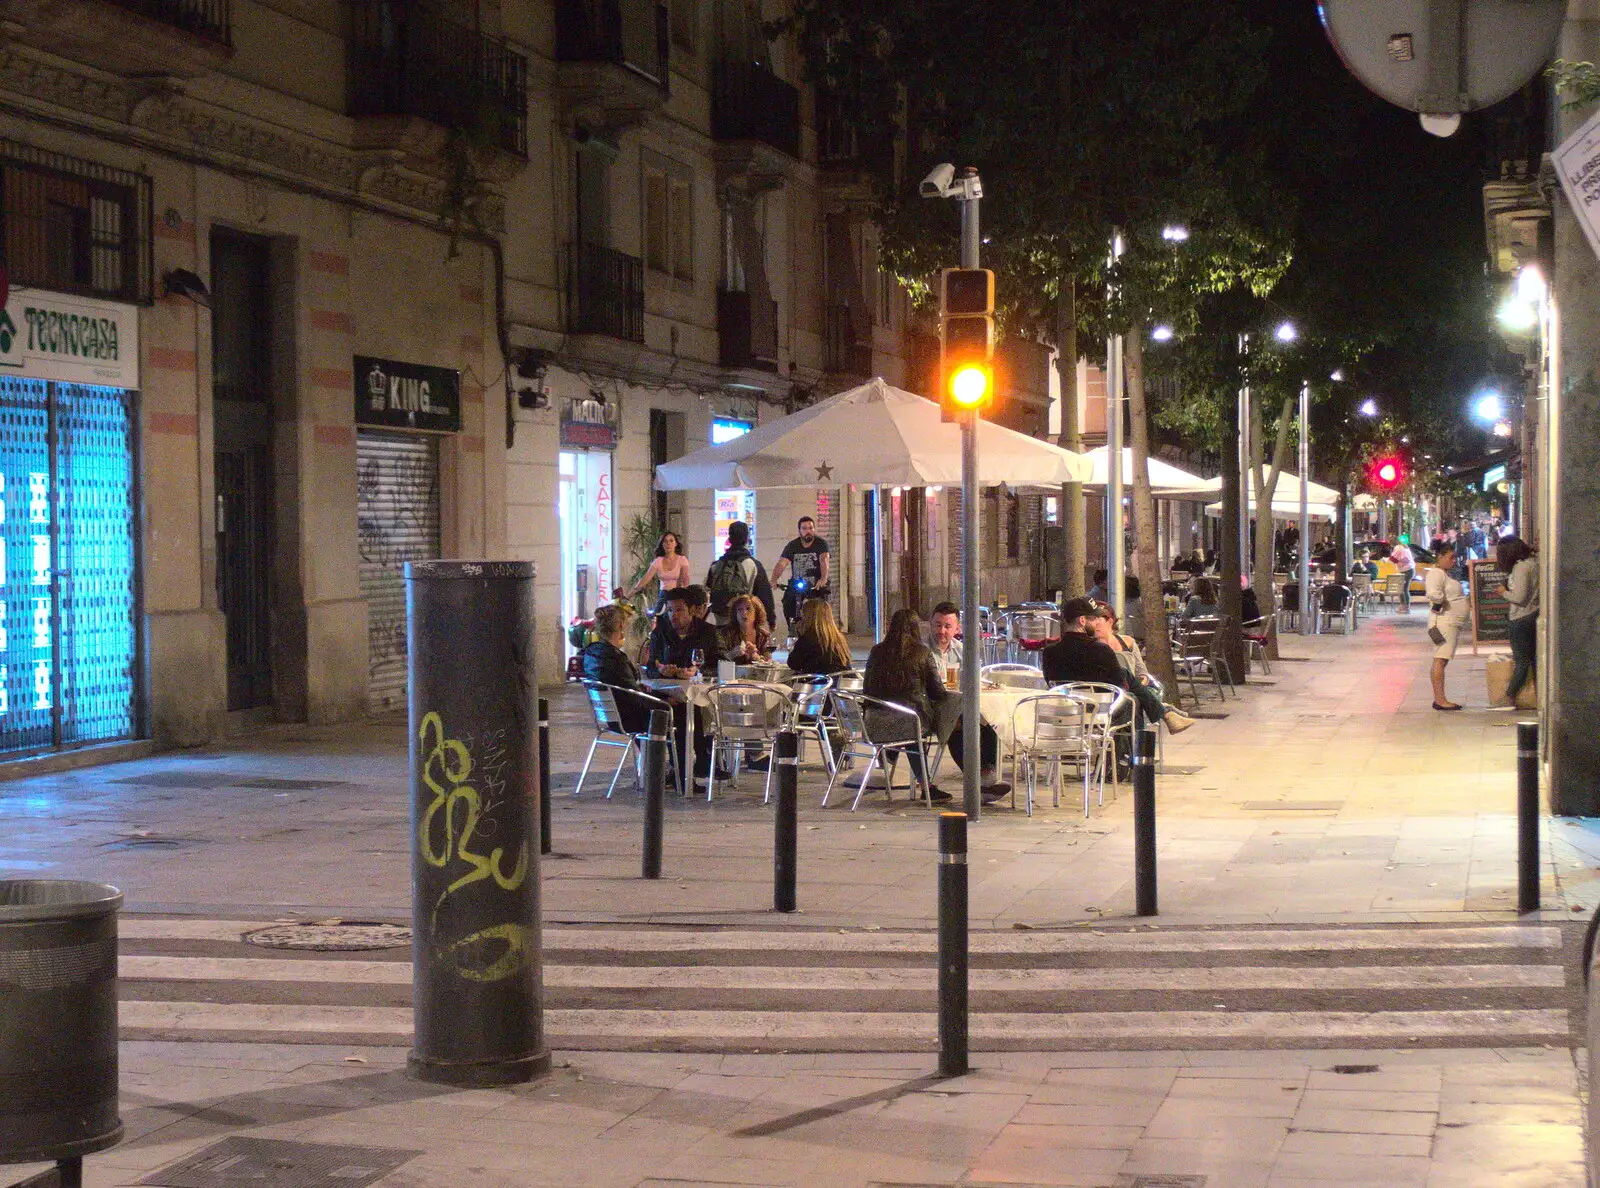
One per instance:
(730,577)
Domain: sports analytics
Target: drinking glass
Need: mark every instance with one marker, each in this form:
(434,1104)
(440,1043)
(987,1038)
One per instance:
(697,657)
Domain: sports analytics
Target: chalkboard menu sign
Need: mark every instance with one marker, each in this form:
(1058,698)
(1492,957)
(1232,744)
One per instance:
(1491,613)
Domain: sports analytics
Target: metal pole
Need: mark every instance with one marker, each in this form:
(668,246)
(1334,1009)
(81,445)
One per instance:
(952,944)
(1247,495)
(477,999)
(655,789)
(877,563)
(544,775)
(1144,814)
(1116,518)
(1527,816)
(1308,611)
(971,653)
(785,822)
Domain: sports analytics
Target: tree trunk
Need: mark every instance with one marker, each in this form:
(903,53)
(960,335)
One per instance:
(1158,647)
(1266,488)
(1071,518)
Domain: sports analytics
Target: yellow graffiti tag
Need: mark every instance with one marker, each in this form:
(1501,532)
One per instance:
(449,761)
(518,941)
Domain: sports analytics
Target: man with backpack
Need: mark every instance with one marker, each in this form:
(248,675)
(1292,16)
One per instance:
(737,572)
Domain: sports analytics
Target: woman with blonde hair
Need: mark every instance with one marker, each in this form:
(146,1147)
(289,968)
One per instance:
(746,636)
(821,647)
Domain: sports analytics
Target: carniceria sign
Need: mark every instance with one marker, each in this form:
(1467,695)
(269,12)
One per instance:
(72,340)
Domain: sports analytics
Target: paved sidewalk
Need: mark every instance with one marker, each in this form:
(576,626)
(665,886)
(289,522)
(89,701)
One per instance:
(1506,1118)
(1330,792)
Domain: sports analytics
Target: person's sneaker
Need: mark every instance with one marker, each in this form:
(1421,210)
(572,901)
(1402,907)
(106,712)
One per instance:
(993,792)
(1177,722)
(760,764)
(938,795)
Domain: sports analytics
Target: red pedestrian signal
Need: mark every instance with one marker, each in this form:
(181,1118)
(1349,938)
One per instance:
(1387,473)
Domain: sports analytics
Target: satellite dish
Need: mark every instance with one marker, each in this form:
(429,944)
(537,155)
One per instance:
(1443,57)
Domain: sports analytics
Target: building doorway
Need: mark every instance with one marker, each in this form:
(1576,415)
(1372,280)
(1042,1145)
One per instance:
(584,505)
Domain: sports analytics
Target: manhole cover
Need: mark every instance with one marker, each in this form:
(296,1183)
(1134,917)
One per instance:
(336,937)
(273,1163)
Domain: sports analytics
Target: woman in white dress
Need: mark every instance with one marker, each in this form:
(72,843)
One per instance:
(1447,615)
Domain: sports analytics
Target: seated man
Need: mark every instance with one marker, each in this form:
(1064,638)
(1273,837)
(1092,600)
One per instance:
(1078,655)
(944,625)
(680,633)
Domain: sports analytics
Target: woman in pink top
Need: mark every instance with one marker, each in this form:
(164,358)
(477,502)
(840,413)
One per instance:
(1407,565)
(670,568)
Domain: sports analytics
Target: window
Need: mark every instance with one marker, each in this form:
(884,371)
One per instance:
(685,24)
(887,284)
(74,226)
(668,219)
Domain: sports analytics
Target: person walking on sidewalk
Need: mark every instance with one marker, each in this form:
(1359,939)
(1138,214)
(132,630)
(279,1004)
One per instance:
(1513,556)
(737,572)
(1403,561)
(1447,615)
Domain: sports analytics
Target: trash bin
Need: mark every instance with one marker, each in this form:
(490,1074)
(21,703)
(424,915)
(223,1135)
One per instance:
(58,1019)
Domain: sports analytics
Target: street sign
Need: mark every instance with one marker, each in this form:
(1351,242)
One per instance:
(1577,164)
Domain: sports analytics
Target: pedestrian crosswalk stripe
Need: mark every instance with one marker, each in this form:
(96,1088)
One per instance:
(821,978)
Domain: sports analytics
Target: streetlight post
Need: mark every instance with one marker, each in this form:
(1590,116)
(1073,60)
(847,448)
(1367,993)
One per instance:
(1116,522)
(1245,493)
(1308,617)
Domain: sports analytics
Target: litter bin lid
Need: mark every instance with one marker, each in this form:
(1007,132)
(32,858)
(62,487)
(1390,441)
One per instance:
(55,899)
(459,570)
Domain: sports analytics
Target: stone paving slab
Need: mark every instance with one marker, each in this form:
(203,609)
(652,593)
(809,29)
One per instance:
(1475,1116)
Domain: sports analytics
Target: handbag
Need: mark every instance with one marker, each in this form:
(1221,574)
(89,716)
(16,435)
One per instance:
(1436,636)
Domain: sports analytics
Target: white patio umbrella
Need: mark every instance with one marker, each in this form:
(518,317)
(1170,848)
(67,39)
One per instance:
(1165,478)
(1285,509)
(1287,491)
(874,435)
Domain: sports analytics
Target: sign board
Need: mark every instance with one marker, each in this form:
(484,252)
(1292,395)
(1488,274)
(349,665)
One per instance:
(1491,613)
(72,340)
(394,395)
(588,423)
(1577,164)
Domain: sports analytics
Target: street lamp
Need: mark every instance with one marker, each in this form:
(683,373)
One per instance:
(1489,407)
(1286,332)
(1175,234)
(1369,407)
(1161,333)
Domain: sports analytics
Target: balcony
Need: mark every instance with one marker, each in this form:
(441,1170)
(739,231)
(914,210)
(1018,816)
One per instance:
(417,75)
(750,103)
(744,344)
(612,58)
(176,38)
(841,353)
(605,293)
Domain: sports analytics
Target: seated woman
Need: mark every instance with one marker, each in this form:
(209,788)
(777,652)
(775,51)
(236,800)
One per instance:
(1202,602)
(745,638)
(606,662)
(902,669)
(821,647)
(1140,686)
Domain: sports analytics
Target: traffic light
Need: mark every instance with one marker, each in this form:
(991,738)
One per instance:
(966,341)
(1387,472)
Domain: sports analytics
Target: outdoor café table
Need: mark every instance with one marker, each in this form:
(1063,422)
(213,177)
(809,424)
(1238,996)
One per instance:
(996,706)
(697,694)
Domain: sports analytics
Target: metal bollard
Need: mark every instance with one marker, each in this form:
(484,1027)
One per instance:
(786,821)
(655,790)
(952,944)
(544,775)
(1143,761)
(477,996)
(1527,816)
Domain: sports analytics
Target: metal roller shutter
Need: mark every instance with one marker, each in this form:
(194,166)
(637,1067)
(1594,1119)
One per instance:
(397,520)
(827,516)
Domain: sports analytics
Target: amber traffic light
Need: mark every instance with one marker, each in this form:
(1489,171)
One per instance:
(966,341)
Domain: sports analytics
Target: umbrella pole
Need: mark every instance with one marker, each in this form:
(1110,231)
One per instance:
(877,563)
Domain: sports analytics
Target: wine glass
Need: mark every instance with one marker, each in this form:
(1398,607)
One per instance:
(697,657)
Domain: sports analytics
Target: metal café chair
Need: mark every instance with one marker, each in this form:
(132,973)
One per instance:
(1361,590)
(609,732)
(1254,632)
(1394,588)
(1017,676)
(1030,633)
(881,745)
(743,713)
(1194,645)
(1289,607)
(813,712)
(1107,721)
(1052,728)
(1334,602)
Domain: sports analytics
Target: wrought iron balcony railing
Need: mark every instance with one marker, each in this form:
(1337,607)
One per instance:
(412,60)
(605,292)
(203,18)
(632,34)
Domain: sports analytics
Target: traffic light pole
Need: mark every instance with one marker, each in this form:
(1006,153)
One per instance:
(972,652)
(1116,517)
(1309,615)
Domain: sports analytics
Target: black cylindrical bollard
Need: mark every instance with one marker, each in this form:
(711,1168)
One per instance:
(952,944)
(786,821)
(544,775)
(655,789)
(1527,816)
(1144,815)
(477,996)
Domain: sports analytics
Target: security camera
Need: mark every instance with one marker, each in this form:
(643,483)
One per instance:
(532,398)
(937,183)
(180,282)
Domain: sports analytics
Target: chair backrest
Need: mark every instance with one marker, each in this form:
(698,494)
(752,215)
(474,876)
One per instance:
(1394,585)
(1335,599)
(1016,676)
(1034,627)
(1058,725)
(1361,583)
(1291,596)
(1194,641)
(603,703)
(743,710)
(810,696)
(849,681)
(853,716)
(1104,700)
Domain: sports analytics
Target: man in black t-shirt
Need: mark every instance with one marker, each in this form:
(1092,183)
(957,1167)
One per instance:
(808,555)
